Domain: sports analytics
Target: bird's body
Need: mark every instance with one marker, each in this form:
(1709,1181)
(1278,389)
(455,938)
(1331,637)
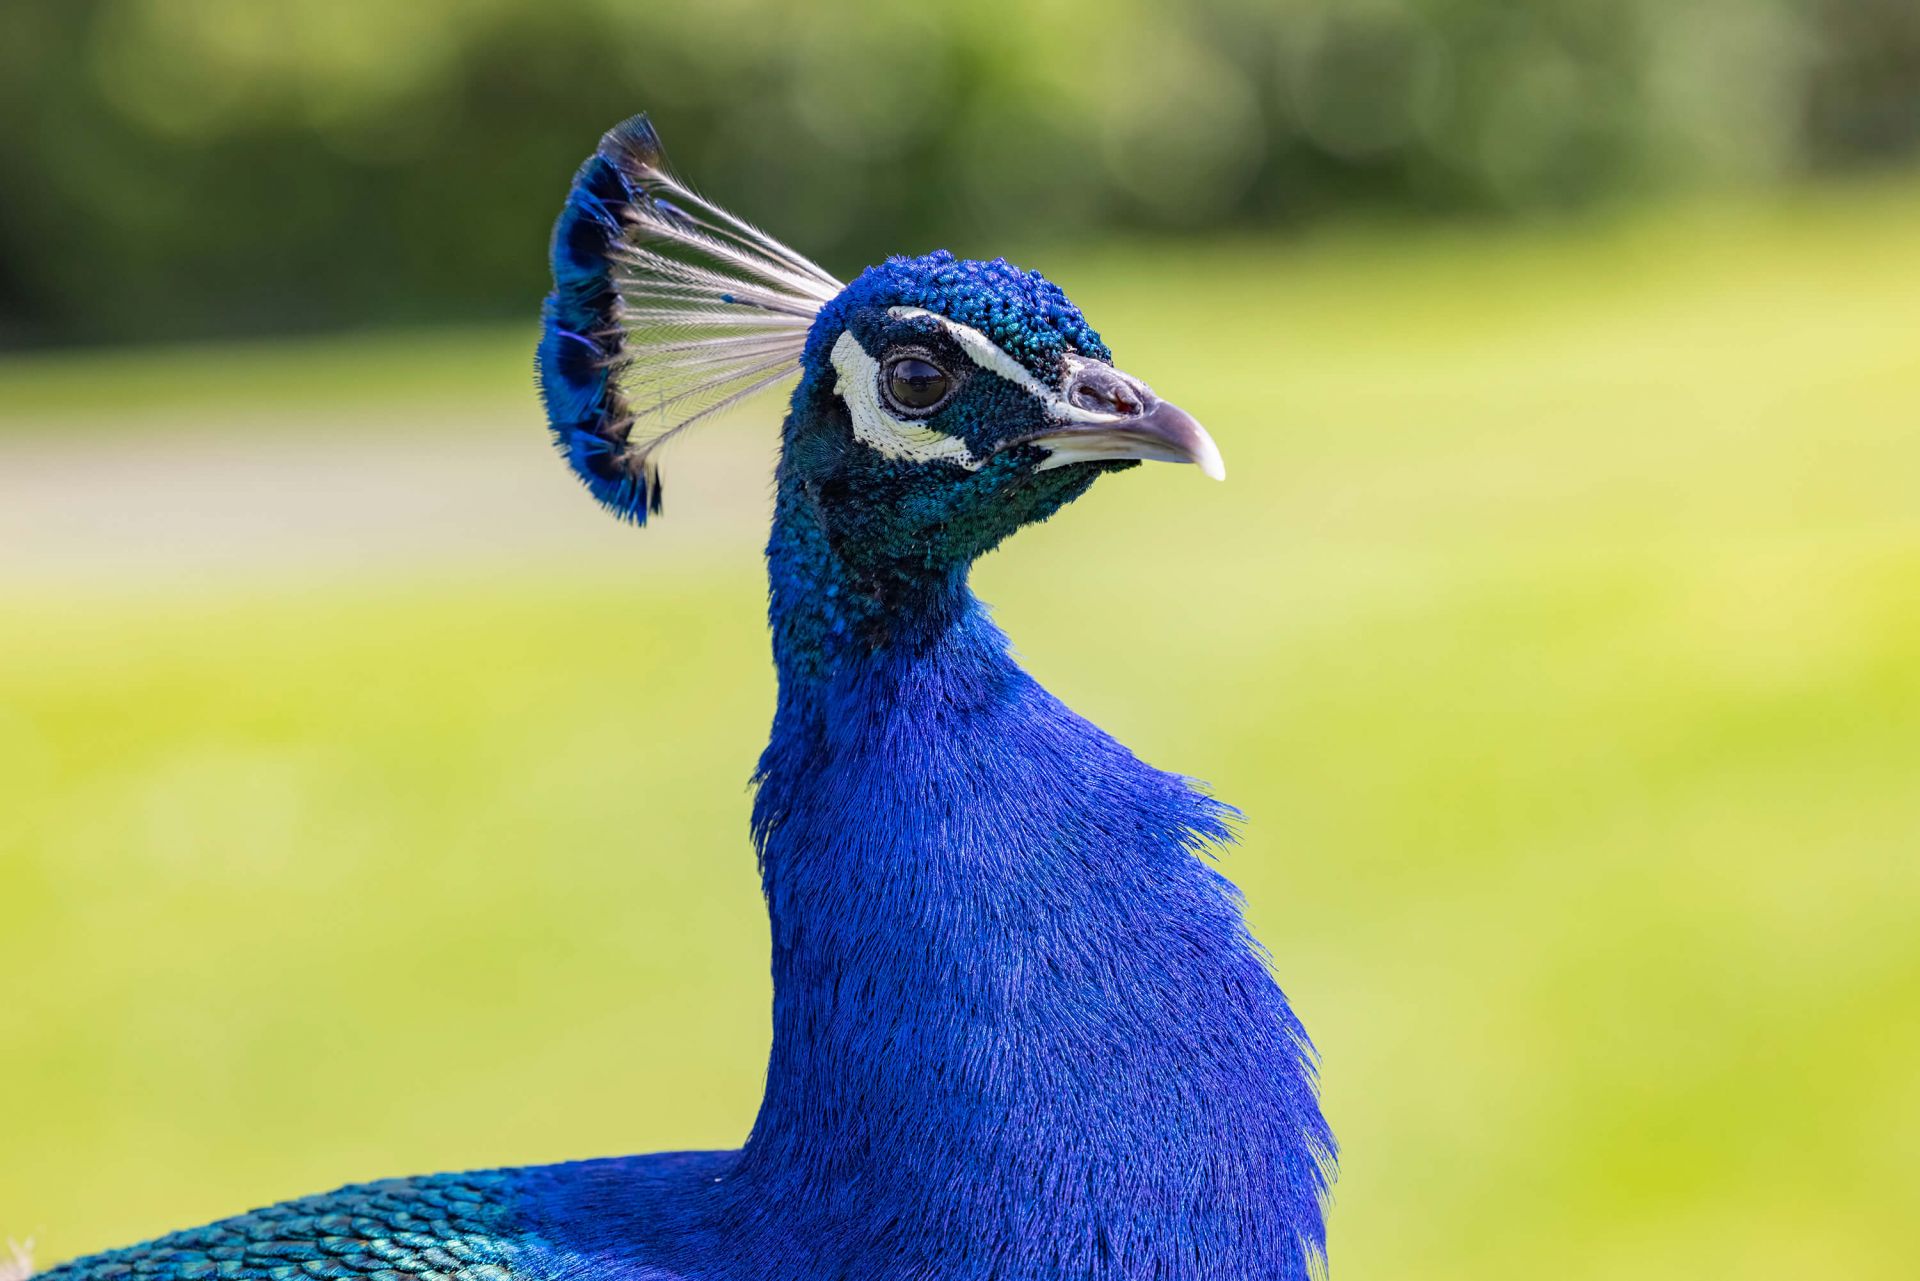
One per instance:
(1019,1028)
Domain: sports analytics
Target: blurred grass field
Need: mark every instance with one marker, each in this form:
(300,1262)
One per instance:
(1558,631)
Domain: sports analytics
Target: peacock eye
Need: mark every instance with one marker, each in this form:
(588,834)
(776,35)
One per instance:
(915,385)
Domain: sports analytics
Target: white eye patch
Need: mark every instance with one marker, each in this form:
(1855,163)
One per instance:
(859,385)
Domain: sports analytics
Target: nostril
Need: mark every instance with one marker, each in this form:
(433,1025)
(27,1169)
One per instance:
(1087,396)
(1104,396)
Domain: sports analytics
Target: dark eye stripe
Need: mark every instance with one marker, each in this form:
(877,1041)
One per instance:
(915,385)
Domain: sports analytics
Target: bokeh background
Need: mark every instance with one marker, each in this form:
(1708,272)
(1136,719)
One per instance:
(369,804)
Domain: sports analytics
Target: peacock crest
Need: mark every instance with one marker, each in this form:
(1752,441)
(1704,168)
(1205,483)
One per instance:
(667,310)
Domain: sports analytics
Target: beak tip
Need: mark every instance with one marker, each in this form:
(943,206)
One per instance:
(1206,456)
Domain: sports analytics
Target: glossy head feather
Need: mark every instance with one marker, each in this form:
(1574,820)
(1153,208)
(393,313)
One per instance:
(665,310)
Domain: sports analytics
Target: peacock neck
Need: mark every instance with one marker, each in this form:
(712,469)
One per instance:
(1013,1011)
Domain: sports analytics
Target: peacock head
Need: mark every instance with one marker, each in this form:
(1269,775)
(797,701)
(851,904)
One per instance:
(941,403)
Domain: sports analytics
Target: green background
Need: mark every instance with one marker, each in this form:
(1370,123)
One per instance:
(1556,630)
(230,166)
(371,805)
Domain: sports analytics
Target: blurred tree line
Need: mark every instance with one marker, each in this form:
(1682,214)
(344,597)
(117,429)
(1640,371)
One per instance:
(178,167)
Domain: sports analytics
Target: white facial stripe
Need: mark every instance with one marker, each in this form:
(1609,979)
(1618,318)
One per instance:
(859,385)
(990,356)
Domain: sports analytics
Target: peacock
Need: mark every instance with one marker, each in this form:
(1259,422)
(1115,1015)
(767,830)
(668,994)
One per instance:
(1020,1028)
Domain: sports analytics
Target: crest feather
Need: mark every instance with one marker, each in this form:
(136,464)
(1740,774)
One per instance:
(16,1264)
(666,309)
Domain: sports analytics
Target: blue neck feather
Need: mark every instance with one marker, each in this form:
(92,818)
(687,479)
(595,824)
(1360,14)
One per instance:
(1019,1027)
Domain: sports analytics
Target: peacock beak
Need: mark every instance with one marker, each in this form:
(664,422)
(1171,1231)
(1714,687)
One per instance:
(1164,433)
(1109,417)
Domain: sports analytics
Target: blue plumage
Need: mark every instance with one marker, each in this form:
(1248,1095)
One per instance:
(1019,1027)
